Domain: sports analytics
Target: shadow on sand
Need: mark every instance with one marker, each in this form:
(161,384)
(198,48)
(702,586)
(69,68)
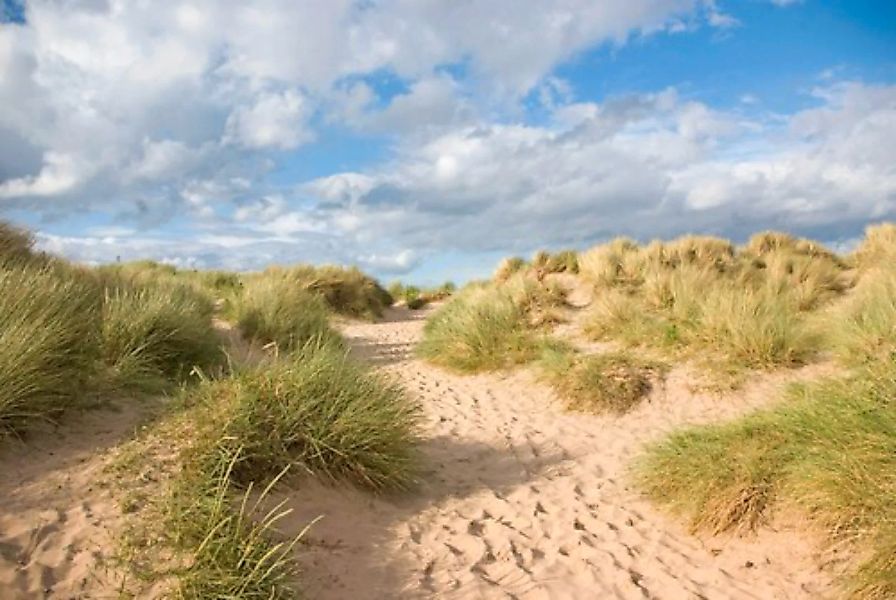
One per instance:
(366,546)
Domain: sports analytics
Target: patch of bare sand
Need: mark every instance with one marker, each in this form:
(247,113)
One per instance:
(58,518)
(520,499)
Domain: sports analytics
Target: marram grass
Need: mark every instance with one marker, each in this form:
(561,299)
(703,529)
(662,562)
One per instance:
(316,410)
(280,311)
(155,335)
(829,452)
(49,342)
(609,382)
(489,327)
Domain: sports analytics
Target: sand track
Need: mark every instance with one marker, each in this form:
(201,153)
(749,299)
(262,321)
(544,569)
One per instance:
(59,517)
(520,499)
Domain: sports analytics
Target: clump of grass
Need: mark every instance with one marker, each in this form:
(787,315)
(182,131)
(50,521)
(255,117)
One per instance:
(705,252)
(612,264)
(49,333)
(619,315)
(613,382)
(829,451)
(776,242)
(416,298)
(346,291)
(862,329)
(699,297)
(564,261)
(231,552)
(281,311)
(489,327)
(509,267)
(15,244)
(318,410)
(878,248)
(312,411)
(153,335)
(754,329)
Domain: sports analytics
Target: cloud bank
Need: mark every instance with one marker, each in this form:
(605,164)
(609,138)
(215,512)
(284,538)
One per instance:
(170,130)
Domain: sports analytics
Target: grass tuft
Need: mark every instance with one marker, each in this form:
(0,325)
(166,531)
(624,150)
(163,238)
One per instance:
(612,382)
(49,337)
(316,409)
(15,245)
(828,451)
(509,267)
(863,328)
(280,311)
(231,551)
(489,327)
(154,335)
(346,291)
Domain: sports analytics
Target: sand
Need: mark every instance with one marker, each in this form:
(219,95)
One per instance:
(59,516)
(517,499)
(520,499)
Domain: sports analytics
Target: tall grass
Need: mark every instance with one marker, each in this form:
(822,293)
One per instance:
(701,297)
(231,551)
(564,261)
(829,452)
(878,248)
(312,411)
(15,244)
(153,335)
(862,329)
(281,311)
(49,337)
(346,291)
(611,382)
(754,329)
(316,409)
(509,267)
(416,298)
(613,264)
(489,327)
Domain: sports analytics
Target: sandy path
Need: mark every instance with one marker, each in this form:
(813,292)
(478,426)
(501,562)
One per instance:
(522,500)
(58,514)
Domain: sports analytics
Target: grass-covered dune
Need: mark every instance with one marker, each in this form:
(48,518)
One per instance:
(731,308)
(312,410)
(70,333)
(826,451)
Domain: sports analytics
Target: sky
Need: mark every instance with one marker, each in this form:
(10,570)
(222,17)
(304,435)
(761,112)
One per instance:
(423,140)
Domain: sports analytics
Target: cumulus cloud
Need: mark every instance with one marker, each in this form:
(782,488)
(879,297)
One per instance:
(272,121)
(181,118)
(647,165)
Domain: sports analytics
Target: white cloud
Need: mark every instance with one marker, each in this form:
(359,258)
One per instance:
(273,120)
(649,165)
(121,96)
(60,173)
(179,115)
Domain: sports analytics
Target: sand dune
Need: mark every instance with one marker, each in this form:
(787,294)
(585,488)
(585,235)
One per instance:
(518,499)
(523,500)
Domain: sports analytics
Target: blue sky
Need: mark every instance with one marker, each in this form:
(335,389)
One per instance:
(424,140)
